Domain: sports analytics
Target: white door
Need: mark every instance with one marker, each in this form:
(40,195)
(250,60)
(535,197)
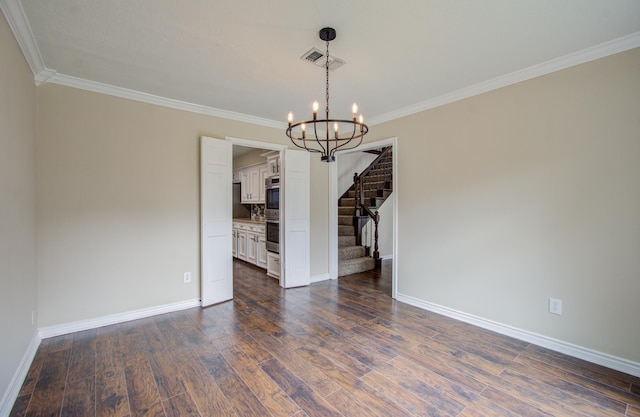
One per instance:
(296,191)
(216,220)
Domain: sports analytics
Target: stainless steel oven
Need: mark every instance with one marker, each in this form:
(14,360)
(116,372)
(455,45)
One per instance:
(273,236)
(272,213)
(272,198)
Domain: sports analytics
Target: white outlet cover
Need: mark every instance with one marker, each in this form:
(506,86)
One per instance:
(555,306)
(187,277)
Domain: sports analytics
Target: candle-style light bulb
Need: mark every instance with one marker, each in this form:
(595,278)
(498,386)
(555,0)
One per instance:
(361,120)
(290,118)
(303,127)
(315,109)
(335,130)
(354,110)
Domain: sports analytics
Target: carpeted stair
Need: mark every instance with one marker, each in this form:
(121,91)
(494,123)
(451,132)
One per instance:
(351,257)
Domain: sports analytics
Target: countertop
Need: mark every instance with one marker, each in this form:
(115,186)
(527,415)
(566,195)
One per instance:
(248,220)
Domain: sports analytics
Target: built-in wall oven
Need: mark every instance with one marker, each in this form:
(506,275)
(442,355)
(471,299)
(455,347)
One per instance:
(272,213)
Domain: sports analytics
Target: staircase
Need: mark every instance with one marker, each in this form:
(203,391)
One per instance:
(376,187)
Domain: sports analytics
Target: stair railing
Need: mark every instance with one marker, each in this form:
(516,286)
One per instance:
(363,183)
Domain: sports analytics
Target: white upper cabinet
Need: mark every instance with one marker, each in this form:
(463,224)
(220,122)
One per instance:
(252,181)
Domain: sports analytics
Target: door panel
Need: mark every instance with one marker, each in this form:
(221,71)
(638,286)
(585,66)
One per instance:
(216,221)
(296,260)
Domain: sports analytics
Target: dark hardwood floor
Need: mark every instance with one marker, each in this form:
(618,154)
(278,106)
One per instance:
(335,348)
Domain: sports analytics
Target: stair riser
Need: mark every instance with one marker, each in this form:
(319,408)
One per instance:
(345,220)
(346,231)
(346,241)
(351,252)
(353,266)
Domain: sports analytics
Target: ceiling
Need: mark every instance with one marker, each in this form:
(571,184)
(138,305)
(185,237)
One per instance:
(243,57)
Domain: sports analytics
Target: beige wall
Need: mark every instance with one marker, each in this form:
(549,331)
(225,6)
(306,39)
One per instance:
(118,202)
(527,192)
(523,193)
(17,206)
(250,158)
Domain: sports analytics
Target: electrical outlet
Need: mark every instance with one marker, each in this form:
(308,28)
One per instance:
(555,306)
(187,277)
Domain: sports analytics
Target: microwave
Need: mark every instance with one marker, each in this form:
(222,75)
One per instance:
(272,198)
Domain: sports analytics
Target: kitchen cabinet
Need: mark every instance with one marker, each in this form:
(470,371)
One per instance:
(250,244)
(261,255)
(252,248)
(273,264)
(242,245)
(273,163)
(234,241)
(263,174)
(252,183)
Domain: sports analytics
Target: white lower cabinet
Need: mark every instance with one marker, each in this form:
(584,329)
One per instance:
(273,264)
(252,248)
(242,245)
(250,243)
(261,257)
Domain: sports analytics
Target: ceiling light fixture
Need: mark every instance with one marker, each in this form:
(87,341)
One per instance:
(326,136)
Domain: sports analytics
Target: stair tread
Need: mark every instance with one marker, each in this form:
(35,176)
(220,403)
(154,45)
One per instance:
(356,265)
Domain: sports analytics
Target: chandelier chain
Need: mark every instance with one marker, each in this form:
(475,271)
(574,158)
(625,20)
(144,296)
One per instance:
(326,67)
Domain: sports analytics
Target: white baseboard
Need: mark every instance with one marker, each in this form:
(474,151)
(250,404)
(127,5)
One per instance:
(11,394)
(77,326)
(385,257)
(599,358)
(319,277)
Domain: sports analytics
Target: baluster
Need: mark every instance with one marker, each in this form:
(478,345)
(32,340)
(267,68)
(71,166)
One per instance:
(376,253)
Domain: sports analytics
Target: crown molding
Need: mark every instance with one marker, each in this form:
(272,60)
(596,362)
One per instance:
(17,20)
(580,57)
(126,93)
(14,13)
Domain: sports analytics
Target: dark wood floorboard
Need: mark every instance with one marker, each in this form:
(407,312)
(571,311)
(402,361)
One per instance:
(335,348)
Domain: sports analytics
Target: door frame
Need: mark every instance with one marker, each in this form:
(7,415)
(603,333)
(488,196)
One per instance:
(249,143)
(333,209)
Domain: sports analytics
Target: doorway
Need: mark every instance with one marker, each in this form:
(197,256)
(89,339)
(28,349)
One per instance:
(216,216)
(333,211)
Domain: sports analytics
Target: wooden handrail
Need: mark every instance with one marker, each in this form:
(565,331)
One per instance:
(384,153)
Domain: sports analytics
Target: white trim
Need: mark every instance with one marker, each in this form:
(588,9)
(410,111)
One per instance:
(576,58)
(255,143)
(333,209)
(333,220)
(386,257)
(14,13)
(17,19)
(11,394)
(126,93)
(319,278)
(590,355)
(77,326)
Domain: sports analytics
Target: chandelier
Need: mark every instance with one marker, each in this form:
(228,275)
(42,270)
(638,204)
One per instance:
(326,136)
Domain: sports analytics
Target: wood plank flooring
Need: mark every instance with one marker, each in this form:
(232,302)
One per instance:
(336,348)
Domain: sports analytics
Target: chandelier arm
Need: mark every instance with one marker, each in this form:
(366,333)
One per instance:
(360,136)
(304,141)
(353,135)
(315,134)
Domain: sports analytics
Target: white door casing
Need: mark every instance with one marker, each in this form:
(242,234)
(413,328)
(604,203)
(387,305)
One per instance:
(333,210)
(216,221)
(295,219)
